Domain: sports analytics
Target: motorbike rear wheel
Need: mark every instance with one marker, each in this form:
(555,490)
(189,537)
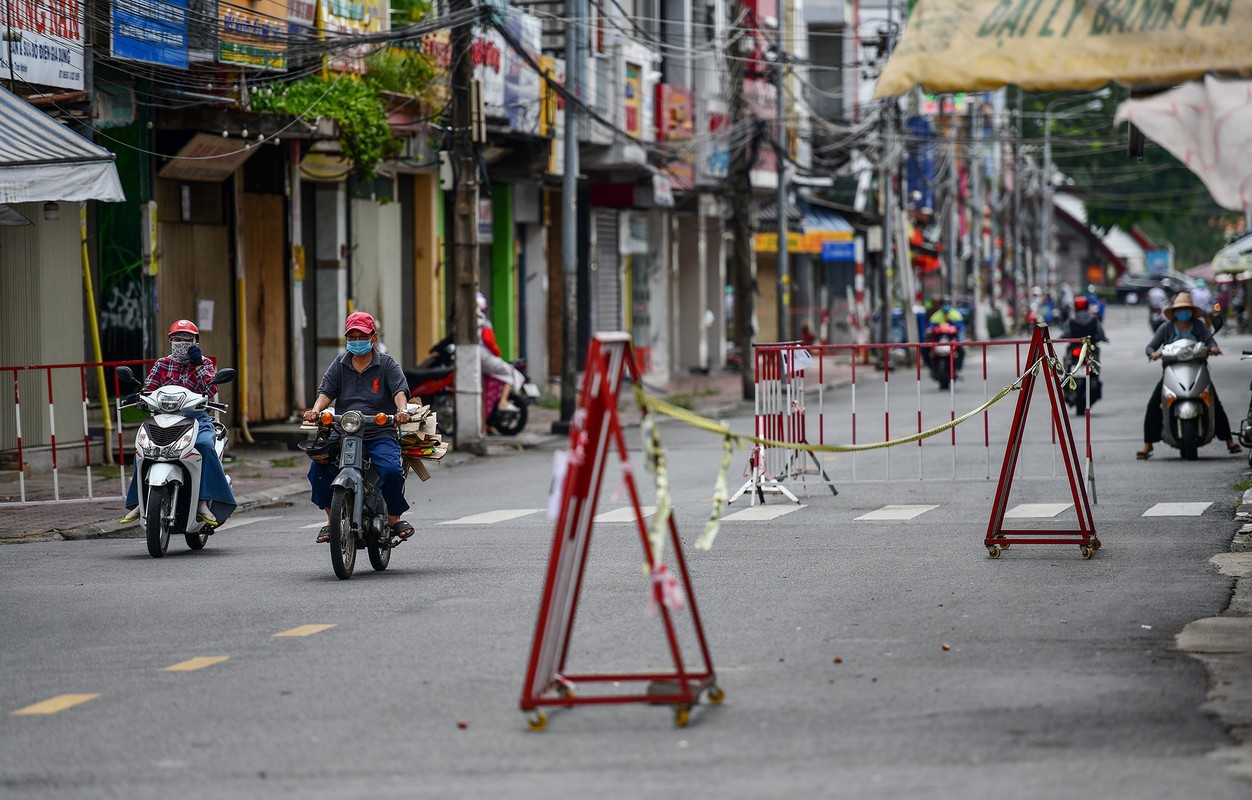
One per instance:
(196,541)
(342,541)
(1189,443)
(380,557)
(157,524)
(510,423)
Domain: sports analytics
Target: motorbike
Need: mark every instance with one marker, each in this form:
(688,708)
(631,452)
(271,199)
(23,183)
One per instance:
(167,462)
(1082,396)
(943,357)
(1245,427)
(1189,414)
(434,380)
(358,515)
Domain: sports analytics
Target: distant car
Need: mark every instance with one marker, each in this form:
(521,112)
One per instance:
(1138,284)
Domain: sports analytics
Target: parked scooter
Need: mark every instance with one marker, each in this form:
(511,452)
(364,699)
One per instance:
(943,358)
(1189,414)
(1088,388)
(167,462)
(358,515)
(434,381)
(1245,428)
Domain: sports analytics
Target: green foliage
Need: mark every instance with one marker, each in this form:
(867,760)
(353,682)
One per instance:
(1159,194)
(355,106)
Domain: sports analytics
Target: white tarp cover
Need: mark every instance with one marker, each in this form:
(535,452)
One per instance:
(41,160)
(1208,127)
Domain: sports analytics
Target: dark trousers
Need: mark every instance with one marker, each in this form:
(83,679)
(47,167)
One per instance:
(1154,421)
(384,453)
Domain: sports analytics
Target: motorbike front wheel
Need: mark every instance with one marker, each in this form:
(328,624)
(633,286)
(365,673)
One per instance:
(342,542)
(1189,442)
(158,522)
(196,541)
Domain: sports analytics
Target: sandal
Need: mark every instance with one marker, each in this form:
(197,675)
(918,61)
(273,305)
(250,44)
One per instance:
(1143,455)
(402,530)
(323,536)
(1231,447)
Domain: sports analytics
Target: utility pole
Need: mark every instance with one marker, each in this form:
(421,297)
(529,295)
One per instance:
(954,206)
(469,406)
(1020,292)
(742,278)
(569,220)
(977,200)
(784,276)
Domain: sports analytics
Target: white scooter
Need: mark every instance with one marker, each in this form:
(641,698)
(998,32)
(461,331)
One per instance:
(1187,397)
(167,462)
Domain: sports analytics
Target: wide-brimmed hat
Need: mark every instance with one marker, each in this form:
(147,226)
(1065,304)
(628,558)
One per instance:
(1181,302)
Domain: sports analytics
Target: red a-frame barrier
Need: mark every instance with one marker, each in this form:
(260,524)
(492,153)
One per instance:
(595,429)
(1085,537)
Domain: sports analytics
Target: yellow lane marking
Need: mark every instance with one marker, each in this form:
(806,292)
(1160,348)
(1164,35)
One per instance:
(195,663)
(54,704)
(305,630)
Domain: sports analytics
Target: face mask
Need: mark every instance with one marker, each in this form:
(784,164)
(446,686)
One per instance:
(179,350)
(359,348)
(1182,316)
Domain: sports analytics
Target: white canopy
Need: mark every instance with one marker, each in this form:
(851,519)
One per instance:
(42,160)
(1234,257)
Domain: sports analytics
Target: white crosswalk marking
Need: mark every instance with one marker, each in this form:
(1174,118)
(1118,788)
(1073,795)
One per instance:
(895,513)
(1036,510)
(1176,510)
(491,517)
(761,513)
(626,514)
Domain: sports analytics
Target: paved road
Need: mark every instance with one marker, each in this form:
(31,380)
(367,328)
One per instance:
(1060,676)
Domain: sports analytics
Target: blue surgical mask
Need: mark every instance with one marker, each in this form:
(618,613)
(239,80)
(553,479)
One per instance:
(1182,316)
(359,348)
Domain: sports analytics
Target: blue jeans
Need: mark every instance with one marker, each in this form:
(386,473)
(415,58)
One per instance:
(384,453)
(213,485)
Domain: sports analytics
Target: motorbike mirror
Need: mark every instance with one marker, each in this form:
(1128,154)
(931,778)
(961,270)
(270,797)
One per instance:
(224,375)
(125,375)
(1218,320)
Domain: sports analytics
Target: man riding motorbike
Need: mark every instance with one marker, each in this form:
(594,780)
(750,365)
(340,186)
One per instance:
(1083,323)
(186,366)
(365,380)
(1182,321)
(947,314)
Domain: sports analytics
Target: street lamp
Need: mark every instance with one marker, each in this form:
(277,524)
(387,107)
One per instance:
(1047,240)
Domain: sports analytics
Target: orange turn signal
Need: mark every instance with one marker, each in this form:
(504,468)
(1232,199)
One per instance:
(1204,396)
(1169,401)
(380,419)
(327,417)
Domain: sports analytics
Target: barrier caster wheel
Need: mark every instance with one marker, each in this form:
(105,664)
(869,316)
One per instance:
(1004,546)
(1086,551)
(564,691)
(993,551)
(682,715)
(537,721)
(716,696)
(1095,544)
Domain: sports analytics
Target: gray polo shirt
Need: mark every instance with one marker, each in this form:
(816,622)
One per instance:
(369,392)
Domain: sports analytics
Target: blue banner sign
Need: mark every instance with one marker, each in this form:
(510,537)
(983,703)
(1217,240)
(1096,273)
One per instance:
(838,251)
(155,33)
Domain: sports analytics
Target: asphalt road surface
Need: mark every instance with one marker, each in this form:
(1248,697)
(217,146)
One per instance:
(879,657)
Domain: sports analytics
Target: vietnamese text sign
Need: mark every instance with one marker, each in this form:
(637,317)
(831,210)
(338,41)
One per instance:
(43,42)
(1066,44)
(154,34)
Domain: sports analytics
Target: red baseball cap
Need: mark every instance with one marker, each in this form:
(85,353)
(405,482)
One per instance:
(359,321)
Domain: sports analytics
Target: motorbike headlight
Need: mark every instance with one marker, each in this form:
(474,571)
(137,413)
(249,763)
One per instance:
(142,442)
(169,402)
(186,439)
(351,422)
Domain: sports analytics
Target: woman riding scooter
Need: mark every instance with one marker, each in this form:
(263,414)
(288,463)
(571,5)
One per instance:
(1182,321)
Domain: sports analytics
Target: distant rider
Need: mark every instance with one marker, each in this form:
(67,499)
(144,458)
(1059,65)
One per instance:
(186,366)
